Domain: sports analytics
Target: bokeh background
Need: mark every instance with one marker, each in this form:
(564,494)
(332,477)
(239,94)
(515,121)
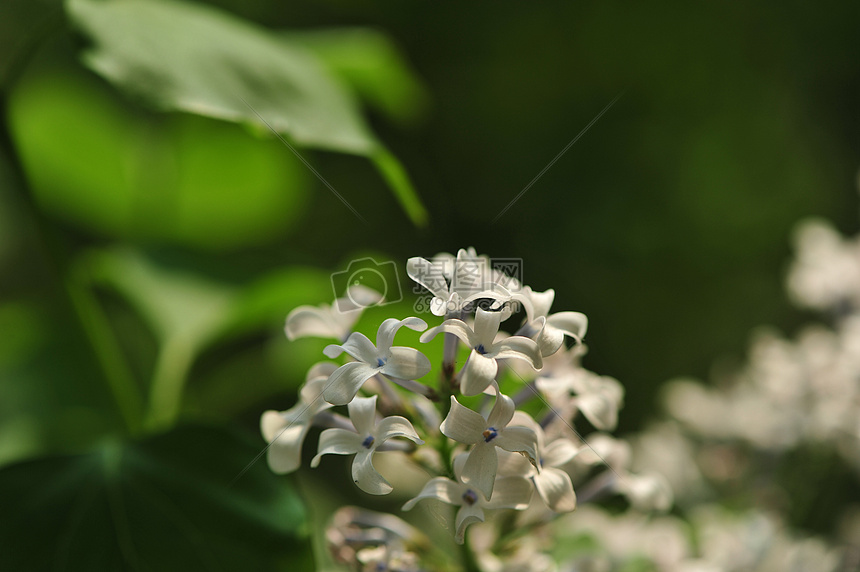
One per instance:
(147,245)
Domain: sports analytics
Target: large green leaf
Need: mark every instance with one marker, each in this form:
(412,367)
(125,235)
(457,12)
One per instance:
(163,504)
(192,58)
(372,65)
(175,178)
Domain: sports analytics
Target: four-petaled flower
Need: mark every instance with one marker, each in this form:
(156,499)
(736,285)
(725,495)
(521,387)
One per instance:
(510,492)
(331,321)
(481,367)
(456,282)
(286,430)
(362,443)
(466,426)
(395,362)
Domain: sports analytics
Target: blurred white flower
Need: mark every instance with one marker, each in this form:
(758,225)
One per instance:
(362,443)
(598,397)
(827,269)
(466,426)
(331,321)
(286,430)
(397,362)
(481,366)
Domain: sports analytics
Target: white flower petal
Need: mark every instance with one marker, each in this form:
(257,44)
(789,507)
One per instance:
(337,442)
(502,412)
(366,477)
(480,468)
(320,369)
(406,363)
(548,339)
(387,330)
(451,326)
(477,374)
(519,347)
(556,490)
(312,321)
(462,424)
(310,394)
(513,465)
(430,275)
(345,382)
(441,489)
(284,453)
(559,452)
(395,426)
(465,516)
(540,302)
(486,327)
(362,413)
(358,297)
(511,492)
(600,410)
(358,346)
(574,324)
(439,307)
(518,440)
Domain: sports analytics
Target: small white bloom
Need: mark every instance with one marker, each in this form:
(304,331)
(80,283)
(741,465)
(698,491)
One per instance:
(549,333)
(456,281)
(598,397)
(286,430)
(466,426)
(362,443)
(331,321)
(646,492)
(396,362)
(481,367)
(510,492)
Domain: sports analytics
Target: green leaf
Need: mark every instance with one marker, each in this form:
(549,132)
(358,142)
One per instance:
(176,303)
(126,173)
(162,504)
(187,57)
(372,65)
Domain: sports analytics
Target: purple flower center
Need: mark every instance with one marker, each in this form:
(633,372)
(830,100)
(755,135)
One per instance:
(380,362)
(481,349)
(469,497)
(490,433)
(368,442)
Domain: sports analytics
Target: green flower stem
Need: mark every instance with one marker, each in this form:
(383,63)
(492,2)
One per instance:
(168,382)
(468,555)
(117,374)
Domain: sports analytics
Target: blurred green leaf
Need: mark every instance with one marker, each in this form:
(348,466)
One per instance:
(187,57)
(176,303)
(162,504)
(372,64)
(178,178)
(189,312)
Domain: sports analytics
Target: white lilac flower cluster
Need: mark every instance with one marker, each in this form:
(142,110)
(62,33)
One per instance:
(800,391)
(481,449)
